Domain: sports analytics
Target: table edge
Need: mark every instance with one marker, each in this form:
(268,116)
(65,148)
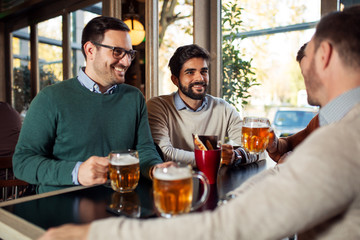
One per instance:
(14,227)
(42,195)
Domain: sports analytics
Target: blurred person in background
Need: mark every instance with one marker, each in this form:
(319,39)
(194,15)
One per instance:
(10,126)
(279,148)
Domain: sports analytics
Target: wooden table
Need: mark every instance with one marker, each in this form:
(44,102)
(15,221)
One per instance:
(29,217)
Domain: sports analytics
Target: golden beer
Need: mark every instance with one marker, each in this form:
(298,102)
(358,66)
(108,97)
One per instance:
(173,192)
(255,134)
(124,172)
(127,204)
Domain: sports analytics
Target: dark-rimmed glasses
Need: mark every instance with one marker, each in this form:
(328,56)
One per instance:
(118,52)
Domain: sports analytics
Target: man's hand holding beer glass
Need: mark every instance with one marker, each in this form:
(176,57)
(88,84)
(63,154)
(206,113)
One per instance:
(227,154)
(255,139)
(274,147)
(93,171)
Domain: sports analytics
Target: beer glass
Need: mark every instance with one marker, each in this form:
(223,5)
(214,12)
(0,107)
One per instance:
(124,170)
(173,190)
(127,204)
(255,134)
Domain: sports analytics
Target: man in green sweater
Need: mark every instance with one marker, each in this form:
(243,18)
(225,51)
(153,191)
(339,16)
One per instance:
(72,126)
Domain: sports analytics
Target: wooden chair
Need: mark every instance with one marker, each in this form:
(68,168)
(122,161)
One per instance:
(11,187)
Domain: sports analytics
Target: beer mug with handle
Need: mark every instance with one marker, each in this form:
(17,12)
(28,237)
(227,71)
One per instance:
(124,170)
(255,134)
(173,190)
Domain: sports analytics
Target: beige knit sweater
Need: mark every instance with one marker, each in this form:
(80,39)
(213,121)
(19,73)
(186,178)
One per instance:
(315,193)
(172,129)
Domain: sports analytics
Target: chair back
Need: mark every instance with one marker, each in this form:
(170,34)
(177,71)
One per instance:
(11,188)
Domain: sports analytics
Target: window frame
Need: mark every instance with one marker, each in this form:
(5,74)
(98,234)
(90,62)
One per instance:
(207,33)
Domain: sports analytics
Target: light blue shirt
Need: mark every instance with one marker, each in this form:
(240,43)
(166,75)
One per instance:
(336,109)
(180,105)
(90,84)
(93,87)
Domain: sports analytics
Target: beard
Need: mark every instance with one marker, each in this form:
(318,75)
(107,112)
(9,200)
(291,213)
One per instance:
(313,85)
(187,91)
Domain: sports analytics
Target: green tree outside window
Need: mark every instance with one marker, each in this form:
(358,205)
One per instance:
(238,76)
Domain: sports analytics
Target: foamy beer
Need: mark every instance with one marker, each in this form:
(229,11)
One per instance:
(124,170)
(255,134)
(173,190)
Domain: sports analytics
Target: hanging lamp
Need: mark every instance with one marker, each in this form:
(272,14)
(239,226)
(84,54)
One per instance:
(137,32)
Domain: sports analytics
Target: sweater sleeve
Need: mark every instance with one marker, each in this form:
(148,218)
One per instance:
(287,144)
(145,145)
(159,120)
(234,124)
(33,161)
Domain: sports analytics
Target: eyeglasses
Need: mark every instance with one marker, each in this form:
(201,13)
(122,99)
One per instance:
(118,52)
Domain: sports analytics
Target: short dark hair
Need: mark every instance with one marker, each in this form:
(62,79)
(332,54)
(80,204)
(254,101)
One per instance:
(301,53)
(184,53)
(342,30)
(96,28)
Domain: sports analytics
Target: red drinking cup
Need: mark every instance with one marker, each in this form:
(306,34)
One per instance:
(208,162)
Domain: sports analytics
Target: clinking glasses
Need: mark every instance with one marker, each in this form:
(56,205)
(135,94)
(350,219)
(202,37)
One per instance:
(118,52)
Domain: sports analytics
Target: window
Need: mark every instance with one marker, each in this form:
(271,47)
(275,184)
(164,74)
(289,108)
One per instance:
(172,34)
(50,51)
(78,20)
(275,30)
(21,70)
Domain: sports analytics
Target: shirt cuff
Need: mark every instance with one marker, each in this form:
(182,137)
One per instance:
(238,156)
(75,172)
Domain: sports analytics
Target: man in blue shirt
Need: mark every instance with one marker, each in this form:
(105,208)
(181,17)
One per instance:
(72,126)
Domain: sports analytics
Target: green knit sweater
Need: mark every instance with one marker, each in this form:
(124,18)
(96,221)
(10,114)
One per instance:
(66,123)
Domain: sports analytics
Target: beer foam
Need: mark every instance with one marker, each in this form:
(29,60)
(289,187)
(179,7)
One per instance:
(124,160)
(256,125)
(172,173)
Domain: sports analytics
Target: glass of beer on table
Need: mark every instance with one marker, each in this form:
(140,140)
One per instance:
(173,190)
(255,134)
(124,170)
(127,204)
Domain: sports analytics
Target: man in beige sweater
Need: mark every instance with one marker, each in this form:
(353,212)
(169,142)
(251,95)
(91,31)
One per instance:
(315,193)
(174,118)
